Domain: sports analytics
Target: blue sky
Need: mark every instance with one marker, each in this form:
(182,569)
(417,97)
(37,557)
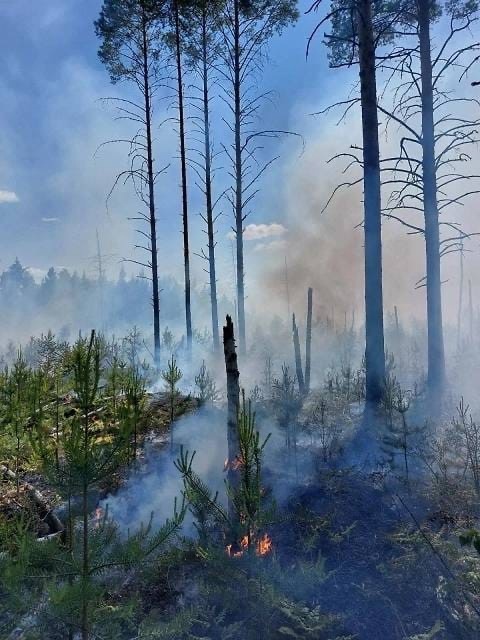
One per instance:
(51,122)
(53,189)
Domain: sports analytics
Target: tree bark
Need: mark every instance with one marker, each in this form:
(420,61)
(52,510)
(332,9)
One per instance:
(374,338)
(298,357)
(233,400)
(460,301)
(151,200)
(308,343)
(208,189)
(239,216)
(436,351)
(85,626)
(183,165)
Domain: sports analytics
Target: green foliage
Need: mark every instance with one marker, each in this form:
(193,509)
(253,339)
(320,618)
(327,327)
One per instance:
(72,576)
(207,389)
(239,601)
(275,14)
(132,409)
(120,27)
(167,340)
(287,403)
(399,436)
(247,497)
(172,376)
(471,538)
(56,570)
(342,41)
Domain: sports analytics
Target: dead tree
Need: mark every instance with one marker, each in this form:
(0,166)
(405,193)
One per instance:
(183,167)
(130,51)
(298,357)
(422,111)
(233,400)
(246,28)
(203,51)
(308,342)
(425,113)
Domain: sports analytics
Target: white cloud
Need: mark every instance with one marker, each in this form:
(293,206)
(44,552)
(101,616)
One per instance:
(50,219)
(274,245)
(8,197)
(261,231)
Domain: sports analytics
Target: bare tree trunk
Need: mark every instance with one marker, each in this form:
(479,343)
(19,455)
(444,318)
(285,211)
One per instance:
(183,163)
(85,632)
(151,201)
(470,311)
(436,353)
(239,216)
(233,399)
(308,343)
(298,357)
(208,189)
(374,345)
(460,301)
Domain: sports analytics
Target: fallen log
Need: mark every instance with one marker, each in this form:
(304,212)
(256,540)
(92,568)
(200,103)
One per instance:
(54,523)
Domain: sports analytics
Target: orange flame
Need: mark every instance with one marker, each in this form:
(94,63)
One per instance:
(233,465)
(264,545)
(98,517)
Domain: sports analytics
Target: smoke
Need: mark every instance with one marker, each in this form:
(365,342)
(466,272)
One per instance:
(323,245)
(151,487)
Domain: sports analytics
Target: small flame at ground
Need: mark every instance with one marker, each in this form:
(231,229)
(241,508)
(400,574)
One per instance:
(98,517)
(263,546)
(234,464)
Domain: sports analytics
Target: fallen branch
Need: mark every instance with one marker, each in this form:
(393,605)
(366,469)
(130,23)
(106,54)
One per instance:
(51,519)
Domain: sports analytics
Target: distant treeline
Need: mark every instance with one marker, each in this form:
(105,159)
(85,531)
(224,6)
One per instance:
(67,302)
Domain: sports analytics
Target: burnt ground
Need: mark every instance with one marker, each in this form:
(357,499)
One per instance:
(374,601)
(382,578)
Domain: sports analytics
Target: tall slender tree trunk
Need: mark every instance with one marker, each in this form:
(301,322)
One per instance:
(374,345)
(233,400)
(239,216)
(151,200)
(470,311)
(183,165)
(460,301)
(436,351)
(85,632)
(208,188)
(308,342)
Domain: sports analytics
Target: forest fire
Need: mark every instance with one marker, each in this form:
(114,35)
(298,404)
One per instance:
(263,547)
(99,514)
(233,465)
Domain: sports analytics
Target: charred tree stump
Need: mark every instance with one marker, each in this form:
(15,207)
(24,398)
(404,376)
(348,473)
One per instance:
(298,357)
(308,345)
(233,400)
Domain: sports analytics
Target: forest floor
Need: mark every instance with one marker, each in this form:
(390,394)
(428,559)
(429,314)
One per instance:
(389,553)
